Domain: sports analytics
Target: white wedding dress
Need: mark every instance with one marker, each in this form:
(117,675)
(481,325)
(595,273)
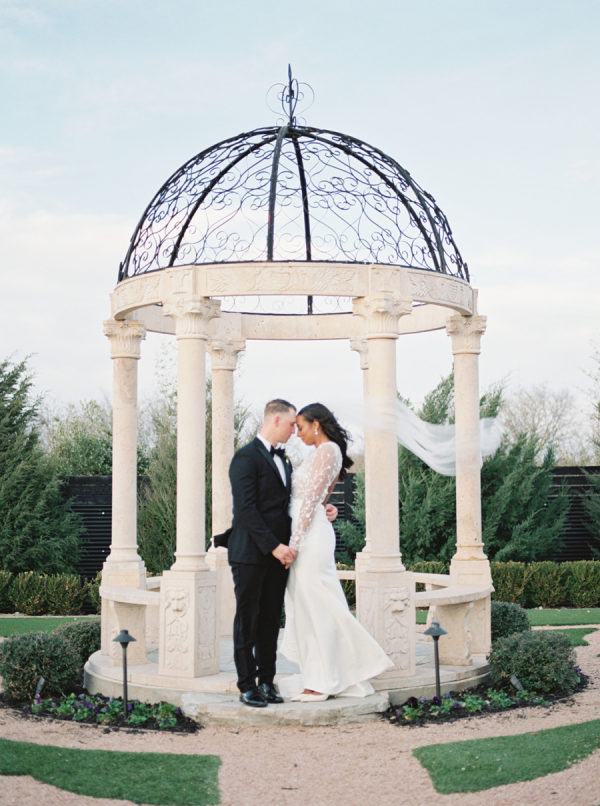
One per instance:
(336,655)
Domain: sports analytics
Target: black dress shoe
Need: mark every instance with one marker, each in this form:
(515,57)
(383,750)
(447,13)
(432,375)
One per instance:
(269,692)
(254,697)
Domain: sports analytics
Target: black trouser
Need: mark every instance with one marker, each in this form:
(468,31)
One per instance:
(259,591)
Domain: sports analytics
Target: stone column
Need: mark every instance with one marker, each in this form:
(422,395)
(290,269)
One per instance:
(361,346)
(469,565)
(123,567)
(188,644)
(223,355)
(384,589)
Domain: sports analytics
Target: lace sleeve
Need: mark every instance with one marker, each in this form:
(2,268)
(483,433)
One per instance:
(325,469)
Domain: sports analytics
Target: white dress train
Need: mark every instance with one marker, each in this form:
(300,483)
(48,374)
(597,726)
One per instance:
(335,653)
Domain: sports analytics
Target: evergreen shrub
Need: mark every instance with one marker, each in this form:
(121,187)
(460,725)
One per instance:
(93,594)
(542,660)
(510,581)
(546,585)
(6,603)
(508,618)
(83,636)
(29,593)
(582,581)
(66,594)
(26,658)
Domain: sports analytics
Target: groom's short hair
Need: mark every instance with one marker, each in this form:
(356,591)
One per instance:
(278,406)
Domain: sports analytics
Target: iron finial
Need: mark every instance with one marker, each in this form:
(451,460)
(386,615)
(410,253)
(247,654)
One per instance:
(288,96)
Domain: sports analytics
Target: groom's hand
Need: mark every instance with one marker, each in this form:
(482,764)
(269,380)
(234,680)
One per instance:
(331,512)
(284,554)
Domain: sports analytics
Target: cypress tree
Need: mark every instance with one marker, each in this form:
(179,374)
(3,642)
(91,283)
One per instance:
(38,530)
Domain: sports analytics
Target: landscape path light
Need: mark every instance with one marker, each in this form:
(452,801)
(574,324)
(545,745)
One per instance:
(124,639)
(435,631)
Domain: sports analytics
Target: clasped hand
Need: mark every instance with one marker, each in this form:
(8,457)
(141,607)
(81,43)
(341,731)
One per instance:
(284,554)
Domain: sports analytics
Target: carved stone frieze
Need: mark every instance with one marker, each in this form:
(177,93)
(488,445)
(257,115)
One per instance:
(177,627)
(207,618)
(441,289)
(466,333)
(125,338)
(397,625)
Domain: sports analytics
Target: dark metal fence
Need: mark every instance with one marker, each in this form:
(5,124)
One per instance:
(91,497)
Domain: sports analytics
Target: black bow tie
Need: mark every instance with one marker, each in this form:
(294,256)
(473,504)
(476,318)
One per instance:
(277,451)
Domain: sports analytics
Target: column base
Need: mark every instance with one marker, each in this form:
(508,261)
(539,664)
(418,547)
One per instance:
(470,570)
(216,559)
(188,643)
(386,608)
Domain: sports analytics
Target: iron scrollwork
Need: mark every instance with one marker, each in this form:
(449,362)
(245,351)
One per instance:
(293,193)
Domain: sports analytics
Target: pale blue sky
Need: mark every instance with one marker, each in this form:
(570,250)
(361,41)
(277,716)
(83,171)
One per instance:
(492,106)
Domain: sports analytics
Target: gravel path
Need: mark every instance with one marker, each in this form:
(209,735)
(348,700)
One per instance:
(351,765)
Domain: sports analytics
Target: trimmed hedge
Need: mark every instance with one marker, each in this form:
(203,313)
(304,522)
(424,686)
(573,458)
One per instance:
(548,584)
(37,594)
(541,584)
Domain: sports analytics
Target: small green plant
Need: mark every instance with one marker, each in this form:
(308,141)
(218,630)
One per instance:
(64,708)
(166,715)
(508,618)
(473,703)
(542,661)
(140,714)
(24,659)
(97,709)
(443,706)
(499,699)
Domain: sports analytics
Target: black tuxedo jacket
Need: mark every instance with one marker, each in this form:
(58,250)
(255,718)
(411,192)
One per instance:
(260,505)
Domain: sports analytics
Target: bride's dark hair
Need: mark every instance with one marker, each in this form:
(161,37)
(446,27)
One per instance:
(331,428)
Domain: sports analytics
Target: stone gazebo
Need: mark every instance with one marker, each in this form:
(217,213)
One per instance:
(287,232)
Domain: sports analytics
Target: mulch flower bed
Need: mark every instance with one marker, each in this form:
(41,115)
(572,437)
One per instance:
(106,713)
(480,701)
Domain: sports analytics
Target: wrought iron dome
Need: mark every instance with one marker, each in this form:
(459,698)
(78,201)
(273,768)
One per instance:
(292,193)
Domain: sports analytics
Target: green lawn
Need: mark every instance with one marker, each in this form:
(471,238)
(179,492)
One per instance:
(549,618)
(155,778)
(19,625)
(564,617)
(577,634)
(479,764)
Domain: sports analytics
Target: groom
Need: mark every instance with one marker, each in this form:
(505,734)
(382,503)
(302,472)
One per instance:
(259,554)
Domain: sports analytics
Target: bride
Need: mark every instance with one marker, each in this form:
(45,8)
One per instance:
(335,653)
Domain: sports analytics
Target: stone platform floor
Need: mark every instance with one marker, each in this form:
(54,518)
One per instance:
(214,699)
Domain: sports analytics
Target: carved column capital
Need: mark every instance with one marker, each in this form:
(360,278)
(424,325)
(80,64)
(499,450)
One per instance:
(361,346)
(192,316)
(466,333)
(381,314)
(224,353)
(125,338)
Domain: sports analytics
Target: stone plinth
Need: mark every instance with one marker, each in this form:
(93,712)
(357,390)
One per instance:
(188,638)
